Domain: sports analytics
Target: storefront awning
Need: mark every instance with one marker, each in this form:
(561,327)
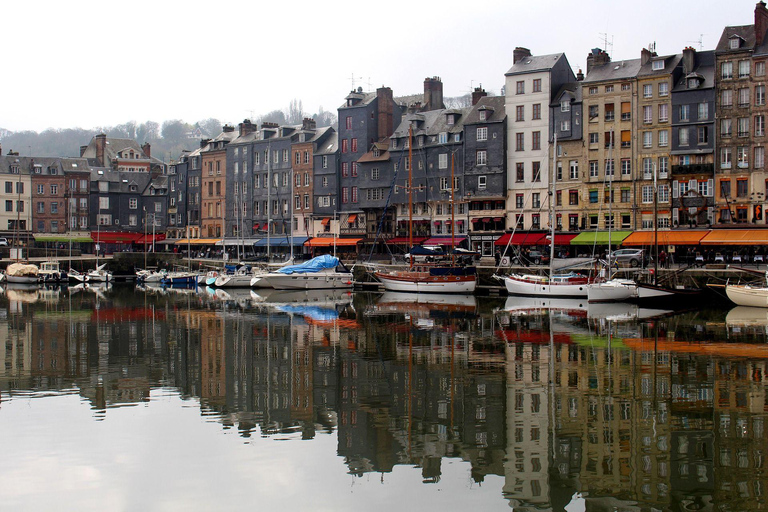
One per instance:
(148,239)
(600,238)
(642,238)
(736,237)
(63,238)
(444,240)
(115,237)
(403,240)
(198,241)
(352,218)
(329,242)
(298,241)
(325,221)
(537,238)
(234,242)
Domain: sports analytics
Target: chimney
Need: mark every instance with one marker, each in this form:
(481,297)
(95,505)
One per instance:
(579,76)
(597,57)
(101,146)
(520,53)
(433,93)
(385,105)
(645,56)
(308,124)
(761,22)
(689,60)
(246,127)
(147,149)
(478,93)
(227,129)
(82,150)
(204,142)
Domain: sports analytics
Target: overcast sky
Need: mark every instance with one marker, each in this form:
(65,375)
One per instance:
(99,63)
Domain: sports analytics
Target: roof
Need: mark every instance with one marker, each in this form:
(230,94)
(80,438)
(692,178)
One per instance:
(329,146)
(534,64)
(432,122)
(493,107)
(670,63)
(364,97)
(613,71)
(571,89)
(746,32)
(704,69)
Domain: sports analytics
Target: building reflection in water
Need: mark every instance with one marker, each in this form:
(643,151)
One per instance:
(633,409)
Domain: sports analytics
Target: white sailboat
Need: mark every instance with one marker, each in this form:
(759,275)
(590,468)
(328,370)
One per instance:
(324,271)
(748,294)
(571,284)
(436,278)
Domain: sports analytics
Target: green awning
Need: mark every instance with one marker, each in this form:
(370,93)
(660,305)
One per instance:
(600,237)
(62,238)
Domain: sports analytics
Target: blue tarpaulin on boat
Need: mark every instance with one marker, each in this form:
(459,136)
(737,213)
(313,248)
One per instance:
(313,312)
(317,264)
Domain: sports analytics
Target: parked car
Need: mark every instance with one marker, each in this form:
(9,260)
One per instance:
(3,242)
(631,257)
(425,253)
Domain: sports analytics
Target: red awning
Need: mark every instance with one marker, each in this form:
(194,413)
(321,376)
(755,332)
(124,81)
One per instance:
(404,240)
(115,237)
(326,221)
(497,219)
(256,226)
(352,218)
(562,239)
(523,239)
(148,239)
(444,240)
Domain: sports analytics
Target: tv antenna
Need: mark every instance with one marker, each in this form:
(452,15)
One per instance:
(607,46)
(354,78)
(699,42)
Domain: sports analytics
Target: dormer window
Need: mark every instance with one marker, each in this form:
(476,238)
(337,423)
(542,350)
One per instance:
(133,188)
(565,106)
(483,115)
(376,152)
(394,143)
(38,169)
(734,43)
(693,83)
(15,169)
(657,65)
(450,119)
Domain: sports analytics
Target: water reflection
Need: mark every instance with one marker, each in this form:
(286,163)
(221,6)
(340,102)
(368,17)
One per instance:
(570,404)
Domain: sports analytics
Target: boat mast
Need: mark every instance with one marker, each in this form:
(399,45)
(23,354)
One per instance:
(269,191)
(552,209)
(293,183)
(610,202)
(453,236)
(655,228)
(410,192)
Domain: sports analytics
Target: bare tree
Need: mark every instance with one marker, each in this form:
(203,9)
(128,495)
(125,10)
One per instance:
(295,112)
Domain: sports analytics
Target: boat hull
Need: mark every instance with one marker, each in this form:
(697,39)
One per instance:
(531,287)
(22,279)
(233,281)
(615,290)
(310,281)
(745,295)
(420,282)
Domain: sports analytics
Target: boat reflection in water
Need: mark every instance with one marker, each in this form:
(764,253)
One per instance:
(493,403)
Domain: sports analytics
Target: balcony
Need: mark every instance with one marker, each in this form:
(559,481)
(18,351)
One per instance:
(693,169)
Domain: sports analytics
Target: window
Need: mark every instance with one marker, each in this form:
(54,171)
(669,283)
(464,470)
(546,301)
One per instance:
(759,126)
(742,186)
(536,200)
(594,111)
(743,69)
(726,70)
(703,111)
(726,98)
(663,89)
(481,182)
(344,145)
(519,172)
(663,193)
(375,173)
(325,162)
(742,127)
(725,127)
(482,157)
(663,138)
(325,181)
(565,106)
(648,91)
(744,97)
(593,196)
(573,197)
(520,87)
(663,113)
(519,200)
(759,95)
(594,138)
(725,188)
(647,114)
(609,168)
(536,114)
(565,126)
(442,162)
(682,136)
(759,157)
(354,194)
(40,207)
(536,140)
(297,159)
(647,139)
(626,167)
(348,122)
(663,166)
(593,90)
(133,203)
(344,194)
(344,170)
(482,133)
(537,85)
(742,157)
(285,156)
(520,141)
(520,113)
(647,168)
(647,194)
(593,169)
(703,133)
(354,169)
(657,65)
(573,167)
(609,113)
(535,171)
(725,158)
(626,195)
(41,189)
(442,138)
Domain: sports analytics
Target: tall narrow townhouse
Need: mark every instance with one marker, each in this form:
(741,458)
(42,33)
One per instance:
(325,167)
(238,217)
(302,150)
(194,202)
(16,216)
(484,173)
(364,118)
(609,102)
(740,177)
(655,80)
(530,86)
(214,182)
(693,141)
(568,124)
(272,185)
(427,150)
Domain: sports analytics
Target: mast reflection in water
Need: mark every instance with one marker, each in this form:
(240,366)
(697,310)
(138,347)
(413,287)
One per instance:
(401,401)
